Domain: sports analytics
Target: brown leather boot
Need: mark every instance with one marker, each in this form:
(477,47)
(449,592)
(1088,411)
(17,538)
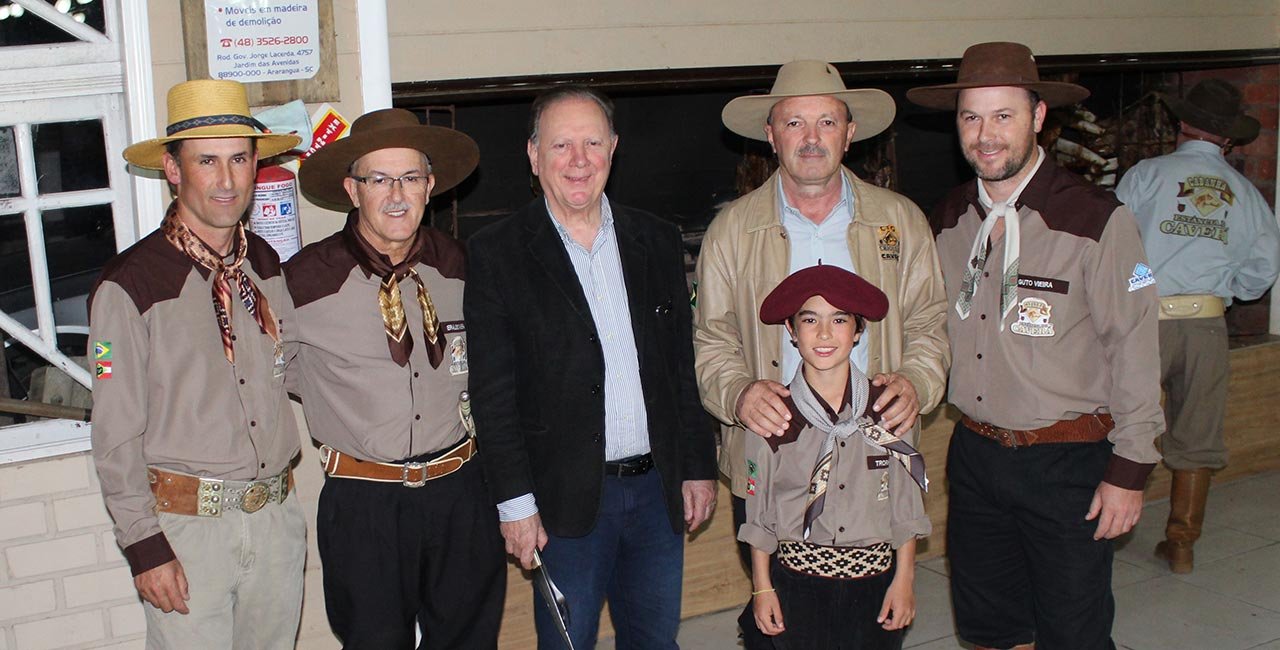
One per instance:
(1186,517)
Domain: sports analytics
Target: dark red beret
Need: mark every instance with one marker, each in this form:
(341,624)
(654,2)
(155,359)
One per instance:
(844,290)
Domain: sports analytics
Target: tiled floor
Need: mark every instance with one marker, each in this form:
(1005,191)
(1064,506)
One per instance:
(1230,602)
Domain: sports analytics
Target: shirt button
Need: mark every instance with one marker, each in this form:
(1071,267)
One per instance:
(415,374)
(842,486)
(842,529)
(841,443)
(775,363)
(983,317)
(263,466)
(241,382)
(592,339)
(979,398)
(595,390)
(596,437)
(979,355)
(253,423)
(986,274)
(418,416)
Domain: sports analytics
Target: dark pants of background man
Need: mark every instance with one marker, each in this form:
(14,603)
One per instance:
(631,557)
(1024,564)
(394,555)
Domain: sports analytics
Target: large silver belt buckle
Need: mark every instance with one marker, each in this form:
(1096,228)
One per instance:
(409,467)
(255,496)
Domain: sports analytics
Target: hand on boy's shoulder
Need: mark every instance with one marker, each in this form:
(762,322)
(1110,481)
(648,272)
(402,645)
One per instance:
(898,404)
(762,409)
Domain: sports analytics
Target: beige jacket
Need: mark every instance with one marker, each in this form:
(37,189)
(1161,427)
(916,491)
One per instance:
(745,255)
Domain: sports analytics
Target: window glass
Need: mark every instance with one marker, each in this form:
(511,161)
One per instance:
(21,27)
(8,164)
(70,156)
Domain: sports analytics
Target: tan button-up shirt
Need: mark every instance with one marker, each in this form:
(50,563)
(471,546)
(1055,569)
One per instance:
(355,398)
(164,394)
(1083,338)
(871,497)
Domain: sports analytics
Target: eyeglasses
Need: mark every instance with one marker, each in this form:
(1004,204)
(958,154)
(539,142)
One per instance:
(410,183)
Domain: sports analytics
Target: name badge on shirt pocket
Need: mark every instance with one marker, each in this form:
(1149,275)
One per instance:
(455,332)
(878,462)
(1043,284)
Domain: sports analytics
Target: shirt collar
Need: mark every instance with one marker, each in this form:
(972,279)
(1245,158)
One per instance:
(844,206)
(606,223)
(1200,146)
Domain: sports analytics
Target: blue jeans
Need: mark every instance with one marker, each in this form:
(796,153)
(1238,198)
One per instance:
(632,557)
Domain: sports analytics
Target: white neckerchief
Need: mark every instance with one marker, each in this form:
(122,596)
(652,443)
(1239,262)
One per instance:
(1012,241)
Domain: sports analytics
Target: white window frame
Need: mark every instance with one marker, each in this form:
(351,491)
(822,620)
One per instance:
(101,76)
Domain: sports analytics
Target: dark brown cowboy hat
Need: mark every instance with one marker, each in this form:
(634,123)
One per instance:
(997,64)
(1213,105)
(453,154)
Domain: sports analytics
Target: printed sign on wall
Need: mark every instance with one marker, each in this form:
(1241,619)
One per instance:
(262,40)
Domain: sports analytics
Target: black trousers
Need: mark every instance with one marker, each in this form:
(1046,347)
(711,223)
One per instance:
(394,555)
(1024,565)
(826,613)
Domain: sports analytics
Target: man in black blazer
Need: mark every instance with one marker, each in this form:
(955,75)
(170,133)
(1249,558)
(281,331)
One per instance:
(595,445)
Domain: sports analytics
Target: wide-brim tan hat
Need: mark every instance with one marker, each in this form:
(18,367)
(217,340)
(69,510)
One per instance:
(872,109)
(204,109)
(453,154)
(1213,105)
(987,65)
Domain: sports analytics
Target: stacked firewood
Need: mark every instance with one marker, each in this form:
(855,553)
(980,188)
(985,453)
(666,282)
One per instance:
(1101,149)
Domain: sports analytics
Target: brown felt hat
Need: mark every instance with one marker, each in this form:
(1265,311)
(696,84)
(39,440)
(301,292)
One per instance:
(453,154)
(206,109)
(997,64)
(1213,105)
(845,291)
(872,109)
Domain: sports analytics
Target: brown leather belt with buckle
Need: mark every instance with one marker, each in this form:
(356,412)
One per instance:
(183,494)
(1086,428)
(414,475)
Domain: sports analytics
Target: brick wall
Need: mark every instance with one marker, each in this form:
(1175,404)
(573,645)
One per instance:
(1256,160)
(63,581)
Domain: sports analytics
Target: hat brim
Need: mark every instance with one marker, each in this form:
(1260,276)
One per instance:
(149,154)
(873,111)
(1241,129)
(453,155)
(943,97)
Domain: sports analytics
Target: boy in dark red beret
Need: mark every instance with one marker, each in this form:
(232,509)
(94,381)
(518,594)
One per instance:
(834,504)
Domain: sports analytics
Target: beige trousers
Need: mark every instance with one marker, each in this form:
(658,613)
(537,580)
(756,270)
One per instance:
(245,580)
(1194,364)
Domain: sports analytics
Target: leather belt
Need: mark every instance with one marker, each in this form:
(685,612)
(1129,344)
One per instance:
(1191,306)
(414,475)
(183,494)
(633,466)
(1086,428)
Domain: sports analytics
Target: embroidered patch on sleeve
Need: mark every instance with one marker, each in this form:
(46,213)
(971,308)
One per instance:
(102,369)
(1142,276)
(753,472)
(693,296)
(102,350)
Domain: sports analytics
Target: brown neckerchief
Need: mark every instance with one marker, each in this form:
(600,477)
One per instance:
(390,303)
(224,276)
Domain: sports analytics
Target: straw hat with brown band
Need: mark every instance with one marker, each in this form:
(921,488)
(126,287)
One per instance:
(453,154)
(872,109)
(1213,105)
(997,64)
(209,108)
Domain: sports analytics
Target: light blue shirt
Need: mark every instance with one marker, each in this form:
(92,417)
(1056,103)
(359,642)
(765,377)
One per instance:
(1206,228)
(827,242)
(626,423)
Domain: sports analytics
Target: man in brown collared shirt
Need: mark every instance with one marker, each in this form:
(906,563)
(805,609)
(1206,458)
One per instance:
(1053,337)
(407,531)
(189,382)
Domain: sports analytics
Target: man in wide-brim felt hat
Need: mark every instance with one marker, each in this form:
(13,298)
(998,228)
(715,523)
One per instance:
(193,435)
(1052,326)
(813,210)
(406,530)
(1212,237)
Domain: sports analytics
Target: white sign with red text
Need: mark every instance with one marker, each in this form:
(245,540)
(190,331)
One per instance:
(262,40)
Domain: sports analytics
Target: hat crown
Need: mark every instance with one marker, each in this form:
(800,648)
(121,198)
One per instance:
(205,98)
(381,120)
(1215,96)
(998,64)
(808,78)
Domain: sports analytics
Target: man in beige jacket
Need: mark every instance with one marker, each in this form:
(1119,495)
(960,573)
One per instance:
(812,211)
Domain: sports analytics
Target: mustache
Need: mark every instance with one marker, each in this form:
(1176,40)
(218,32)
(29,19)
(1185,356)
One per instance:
(397,206)
(811,150)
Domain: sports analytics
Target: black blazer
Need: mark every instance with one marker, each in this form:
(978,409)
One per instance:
(537,368)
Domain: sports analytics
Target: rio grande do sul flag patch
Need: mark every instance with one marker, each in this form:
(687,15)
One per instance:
(102,369)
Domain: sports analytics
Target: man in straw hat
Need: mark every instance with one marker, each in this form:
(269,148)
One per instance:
(406,528)
(1211,237)
(1052,324)
(193,434)
(582,369)
(813,210)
